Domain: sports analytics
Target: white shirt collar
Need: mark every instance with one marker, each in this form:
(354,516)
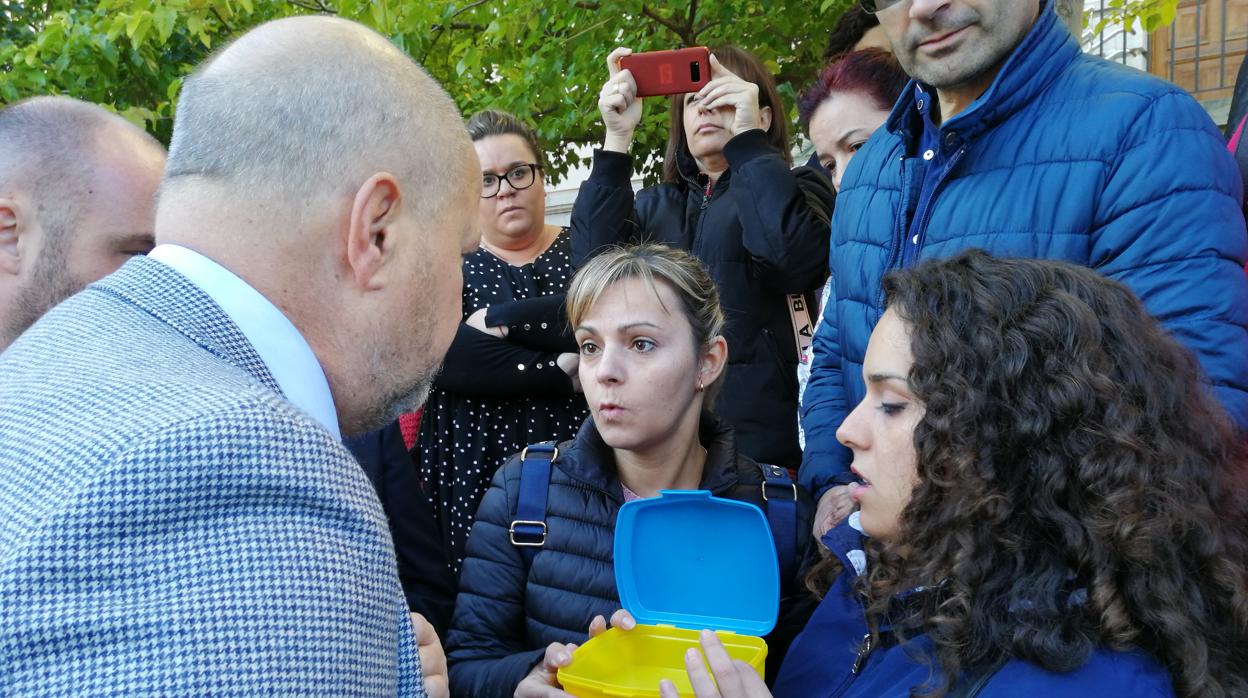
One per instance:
(282,349)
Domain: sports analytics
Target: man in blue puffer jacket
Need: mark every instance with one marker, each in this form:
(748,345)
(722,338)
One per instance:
(1012,140)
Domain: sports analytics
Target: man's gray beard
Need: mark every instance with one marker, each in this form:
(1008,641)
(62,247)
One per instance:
(50,283)
(406,399)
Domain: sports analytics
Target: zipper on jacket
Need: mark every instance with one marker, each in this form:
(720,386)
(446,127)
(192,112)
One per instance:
(859,661)
(863,653)
(697,228)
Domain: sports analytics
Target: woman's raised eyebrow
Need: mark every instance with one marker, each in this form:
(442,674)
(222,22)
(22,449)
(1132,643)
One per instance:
(622,328)
(881,377)
(628,326)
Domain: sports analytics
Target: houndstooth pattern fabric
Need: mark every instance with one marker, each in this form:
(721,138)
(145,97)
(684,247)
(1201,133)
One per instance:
(170,525)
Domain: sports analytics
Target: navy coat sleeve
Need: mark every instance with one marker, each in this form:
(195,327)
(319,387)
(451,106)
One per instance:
(784,214)
(1176,237)
(603,213)
(539,323)
(825,462)
(486,650)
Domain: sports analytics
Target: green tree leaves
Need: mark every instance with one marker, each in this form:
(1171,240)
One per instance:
(542,60)
(1152,14)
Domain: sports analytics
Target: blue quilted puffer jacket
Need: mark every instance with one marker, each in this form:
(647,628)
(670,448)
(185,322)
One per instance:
(1066,156)
(510,609)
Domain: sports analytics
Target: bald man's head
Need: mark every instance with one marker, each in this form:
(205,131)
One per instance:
(77,189)
(322,166)
(303,107)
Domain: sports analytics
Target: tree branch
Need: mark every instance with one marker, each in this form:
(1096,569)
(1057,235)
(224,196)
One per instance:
(314,6)
(441,29)
(590,28)
(228,29)
(705,25)
(467,7)
(673,27)
(459,25)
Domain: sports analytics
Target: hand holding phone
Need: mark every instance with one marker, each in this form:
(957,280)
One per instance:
(728,90)
(669,72)
(619,105)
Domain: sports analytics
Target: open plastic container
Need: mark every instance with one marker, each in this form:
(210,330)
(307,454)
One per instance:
(684,561)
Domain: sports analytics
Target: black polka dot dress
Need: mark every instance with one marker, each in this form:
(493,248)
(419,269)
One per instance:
(509,397)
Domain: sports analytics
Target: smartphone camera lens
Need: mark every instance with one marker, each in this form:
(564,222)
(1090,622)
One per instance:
(695,71)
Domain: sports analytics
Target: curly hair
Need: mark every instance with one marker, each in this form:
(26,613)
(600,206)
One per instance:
(1079,487)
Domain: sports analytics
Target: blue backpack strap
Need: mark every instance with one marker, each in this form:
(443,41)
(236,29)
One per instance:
(780,502)
(528,529)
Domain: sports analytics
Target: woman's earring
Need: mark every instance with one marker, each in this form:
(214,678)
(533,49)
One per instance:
(701,387)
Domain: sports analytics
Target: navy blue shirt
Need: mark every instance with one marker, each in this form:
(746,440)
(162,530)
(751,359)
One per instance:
(935,165)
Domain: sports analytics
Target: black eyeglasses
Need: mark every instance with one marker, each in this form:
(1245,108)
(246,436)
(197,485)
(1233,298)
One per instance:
(519,177)
(874,6)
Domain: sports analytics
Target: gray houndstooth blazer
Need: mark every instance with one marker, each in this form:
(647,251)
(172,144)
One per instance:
(171,525)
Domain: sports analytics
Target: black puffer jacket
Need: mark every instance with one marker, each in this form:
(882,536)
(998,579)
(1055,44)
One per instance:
(762,233)
(508,612)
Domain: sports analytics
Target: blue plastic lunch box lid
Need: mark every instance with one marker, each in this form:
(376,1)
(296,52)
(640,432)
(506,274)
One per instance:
(694,561)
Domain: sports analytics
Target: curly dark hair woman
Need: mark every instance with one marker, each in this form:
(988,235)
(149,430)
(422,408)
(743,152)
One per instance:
(1068,444)
(1055,504)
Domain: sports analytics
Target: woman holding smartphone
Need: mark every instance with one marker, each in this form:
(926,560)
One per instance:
(729,197)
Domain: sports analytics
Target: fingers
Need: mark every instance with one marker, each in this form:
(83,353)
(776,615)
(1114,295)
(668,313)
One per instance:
(667,689)
(699,678)
(437,686)
(623,620)
(729,91)
(558,655)
(613,59)
(750,680)
(718,69)
(618,93)
(535,687)
(722,668)
(735,678)
(597,626)
(619,85)
(421,629)
(432,657)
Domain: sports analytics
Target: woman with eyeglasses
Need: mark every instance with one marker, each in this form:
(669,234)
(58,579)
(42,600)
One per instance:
(507,381)
(730,197)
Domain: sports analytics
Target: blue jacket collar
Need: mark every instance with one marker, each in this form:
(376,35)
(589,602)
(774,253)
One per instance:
(1028,72)
(589,460)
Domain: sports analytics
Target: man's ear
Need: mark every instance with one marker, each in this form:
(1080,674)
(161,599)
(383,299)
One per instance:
(11,230)
(370,244)
(714,359)
(764,117)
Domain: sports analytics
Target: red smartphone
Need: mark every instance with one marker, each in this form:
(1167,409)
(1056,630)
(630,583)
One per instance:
(669,72)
